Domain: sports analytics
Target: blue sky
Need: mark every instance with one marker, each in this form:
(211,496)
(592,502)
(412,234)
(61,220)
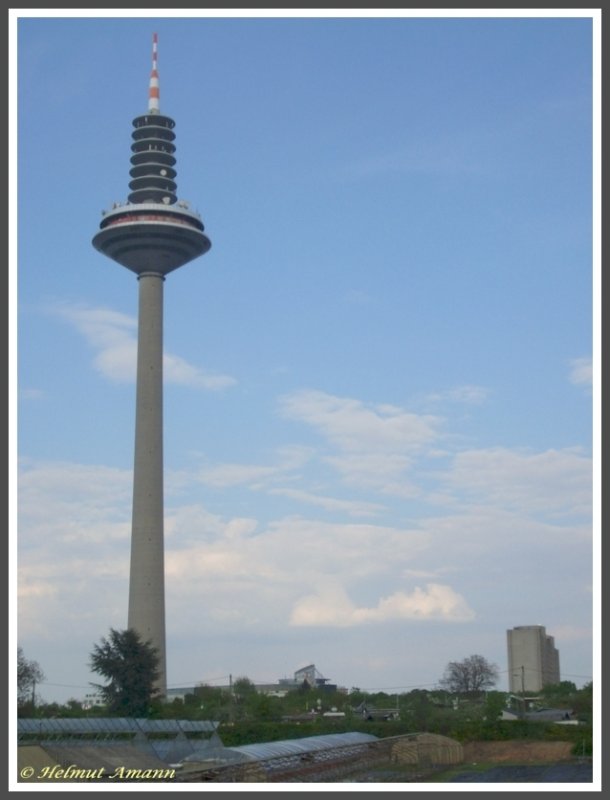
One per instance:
(378,398)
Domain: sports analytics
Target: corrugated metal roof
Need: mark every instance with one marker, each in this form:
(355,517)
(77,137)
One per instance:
(68,726)
(308,744)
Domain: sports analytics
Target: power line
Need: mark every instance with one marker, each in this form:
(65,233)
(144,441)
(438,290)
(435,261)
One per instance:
(197,682)
(395,688)
(64,685)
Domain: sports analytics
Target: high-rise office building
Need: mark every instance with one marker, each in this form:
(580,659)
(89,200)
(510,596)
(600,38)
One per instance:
(533,659)
(151,234)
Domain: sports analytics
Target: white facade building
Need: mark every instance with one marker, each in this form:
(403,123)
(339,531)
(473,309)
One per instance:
(533,659)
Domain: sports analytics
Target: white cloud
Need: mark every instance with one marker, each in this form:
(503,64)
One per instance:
(114,336)
(581,371)
(352,550)
(377,444)
(332,607)
(214,562)
(255,476)
(226,475)
(192,523)
(291,552)
(251,578)
(74,526)
(486,536)
(354,508)
(248,575)
(382,472)
(555,482)
(62,501)
(72,539)
(244,574)
(467,394)
(178,371)
(352,426)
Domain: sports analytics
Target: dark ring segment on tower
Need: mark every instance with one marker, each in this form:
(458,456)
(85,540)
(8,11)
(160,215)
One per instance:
(153,160)
(151,237)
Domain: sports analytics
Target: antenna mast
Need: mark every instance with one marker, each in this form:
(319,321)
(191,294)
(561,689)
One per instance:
(153,87)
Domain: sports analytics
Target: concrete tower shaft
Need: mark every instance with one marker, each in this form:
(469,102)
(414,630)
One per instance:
(146,613)
(152,234)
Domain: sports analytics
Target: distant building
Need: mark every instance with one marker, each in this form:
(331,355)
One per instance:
(179,693)
(93,699)
(307,676)
(562,715)
(533,659)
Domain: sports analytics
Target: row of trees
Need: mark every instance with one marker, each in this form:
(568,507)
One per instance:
(130,667)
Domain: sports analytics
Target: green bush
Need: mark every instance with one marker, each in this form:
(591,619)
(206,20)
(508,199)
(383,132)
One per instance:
(583,746)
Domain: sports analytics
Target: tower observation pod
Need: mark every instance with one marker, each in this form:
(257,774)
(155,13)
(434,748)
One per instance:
(153,231)
(151,234)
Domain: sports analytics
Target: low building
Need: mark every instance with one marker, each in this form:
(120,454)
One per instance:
(307,676)
(367,711)
(541,715)
(310,677)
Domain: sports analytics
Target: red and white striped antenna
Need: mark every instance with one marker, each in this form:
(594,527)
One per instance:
(153,87)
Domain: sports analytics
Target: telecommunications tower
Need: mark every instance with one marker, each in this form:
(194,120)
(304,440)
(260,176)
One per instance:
(151,234)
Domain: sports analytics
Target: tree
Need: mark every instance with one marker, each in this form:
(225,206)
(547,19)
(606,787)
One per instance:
(418,709)
(495,703)
(244,695)
(473,674)
(559,694)
(131,666)
(582,702)
(209,702)
(29,674)
(243,689)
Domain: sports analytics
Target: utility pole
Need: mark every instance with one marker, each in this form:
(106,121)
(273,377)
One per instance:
(523,690)
(231,701)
